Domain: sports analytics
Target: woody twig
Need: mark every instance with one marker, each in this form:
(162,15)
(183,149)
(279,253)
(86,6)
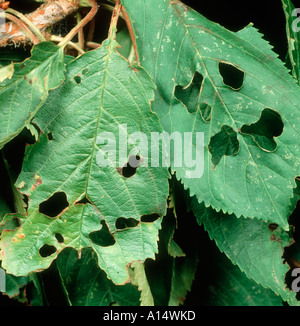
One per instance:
(46,15)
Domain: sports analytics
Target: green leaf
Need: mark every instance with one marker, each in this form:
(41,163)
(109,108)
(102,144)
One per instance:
(101,94)
(296,197)
(139,279)
(231,287)
(86,284)
(123,38)
(293,36)
(6,72)
(33,78)
(8,222)
(223,143)
(35,291)
(159,272)
(14,284)
(22,249)
(184,270)
(171,275)
(221,79)
(251,244)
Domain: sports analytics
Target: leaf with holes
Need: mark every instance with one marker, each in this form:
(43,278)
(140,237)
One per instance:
(93,125)
(33,78)
(39,239)
(231,88)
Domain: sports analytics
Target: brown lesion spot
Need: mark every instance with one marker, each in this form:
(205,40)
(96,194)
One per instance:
(274,238)
(38,181)
(272,226)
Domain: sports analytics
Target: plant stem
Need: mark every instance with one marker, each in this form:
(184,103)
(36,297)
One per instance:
(131,54)
(22,17)
(56,38)
(24,28)
(91,31)
(109,8)
(80,32)
(114,19)
(46,15)
(131,33)
(82,23)
(93,45)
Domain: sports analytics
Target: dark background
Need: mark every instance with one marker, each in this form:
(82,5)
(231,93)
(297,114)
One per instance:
(267,16)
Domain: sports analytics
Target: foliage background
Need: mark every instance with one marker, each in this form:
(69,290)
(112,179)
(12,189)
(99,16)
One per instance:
(269,18)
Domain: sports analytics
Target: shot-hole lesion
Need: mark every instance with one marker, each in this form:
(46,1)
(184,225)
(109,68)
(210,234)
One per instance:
(50,136)
(265,130)
(224,143)
(232,75)
(59,238)
(124,223)
(102,237)
(189,95)
(150,218)
(47,250)
(84,200)
(54,205)
(76,79)
(130,168)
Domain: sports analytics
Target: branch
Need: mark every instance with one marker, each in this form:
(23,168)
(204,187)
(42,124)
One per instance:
(81,24)
(131,33)
(23,27)
(49,13)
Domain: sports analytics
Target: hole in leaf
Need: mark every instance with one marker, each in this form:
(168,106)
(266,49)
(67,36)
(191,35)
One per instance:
(189,96)
(59,237)
(130,167)
(84,200)
(50,136)
(77,79)
(263,131)
(54,205)
(85,71)
(123,223)
(223,143)
(102,237)
(273,226)
(205,110)
(149,218)
(134,161)
(10,224)
(47,250)
(232,76)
